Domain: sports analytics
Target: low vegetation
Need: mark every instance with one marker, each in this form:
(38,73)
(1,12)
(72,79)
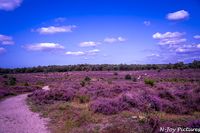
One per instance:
(104,102)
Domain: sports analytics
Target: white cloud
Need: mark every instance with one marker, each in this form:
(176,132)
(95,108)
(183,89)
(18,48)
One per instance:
(197,36)
(167,35)
(77,53)
(80,53)
(121,39)
(93,52)
(179,15)
(9,5)
(6,40)
(188,48)
(169,38)
(114,40)
(89,44)
(44,47)
(54,29)
(2,50)
(147,23)
(157,55)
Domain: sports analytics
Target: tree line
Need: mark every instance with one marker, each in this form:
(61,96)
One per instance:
(101,67)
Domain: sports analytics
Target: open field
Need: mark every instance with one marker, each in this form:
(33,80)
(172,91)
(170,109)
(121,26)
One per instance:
(111,101)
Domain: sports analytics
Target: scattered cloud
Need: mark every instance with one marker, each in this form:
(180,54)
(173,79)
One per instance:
(89,44)
(6,40)
(169,38)
(60,19)
(44,47)
(2,50)
(9,5)
(81,53)
(114,40)
(197,36)
(55,29)
(188,48)
(179,15)
(154,55)
(147,23)
(77,53)
(93,52)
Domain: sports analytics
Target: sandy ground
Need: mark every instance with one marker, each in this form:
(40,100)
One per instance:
(15,117)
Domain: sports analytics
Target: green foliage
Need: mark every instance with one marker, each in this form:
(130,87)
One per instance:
(128,77)
(87,79)
(84,98)
(103,67)
(12,81)
(150,82)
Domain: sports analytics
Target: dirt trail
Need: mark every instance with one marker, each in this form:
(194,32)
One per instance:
(15,117)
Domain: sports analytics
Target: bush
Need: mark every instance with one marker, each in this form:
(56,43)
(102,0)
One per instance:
(82,83)
(133,100)
(41,83)
(108,106)
(154,102)
(134,79)
(26,84)
(115,73)
(166,95)
(4,93)
(149,82)
(47,97)
(12,81)
(128,77)
(194,124)
(83,98)
(172,108)
(5,76)
(87,79)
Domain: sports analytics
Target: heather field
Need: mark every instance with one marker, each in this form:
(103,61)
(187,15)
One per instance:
(111,101)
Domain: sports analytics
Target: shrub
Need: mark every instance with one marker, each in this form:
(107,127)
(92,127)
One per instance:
(83,98)
(194,124)
(12,80)
(134,79)
(108,106)
(134,100)
(172,108)
(128,77)
(82,83)
(4,93)
(41,83)
(154,102)
(115,73)
(46,97)
(87,79)
(149,82)
(5,76)
(26,84)
(166,95)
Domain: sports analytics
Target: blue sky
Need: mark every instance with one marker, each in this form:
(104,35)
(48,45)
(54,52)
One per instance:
(60,32)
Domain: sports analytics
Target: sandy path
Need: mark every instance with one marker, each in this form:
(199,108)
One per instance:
(15,117)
